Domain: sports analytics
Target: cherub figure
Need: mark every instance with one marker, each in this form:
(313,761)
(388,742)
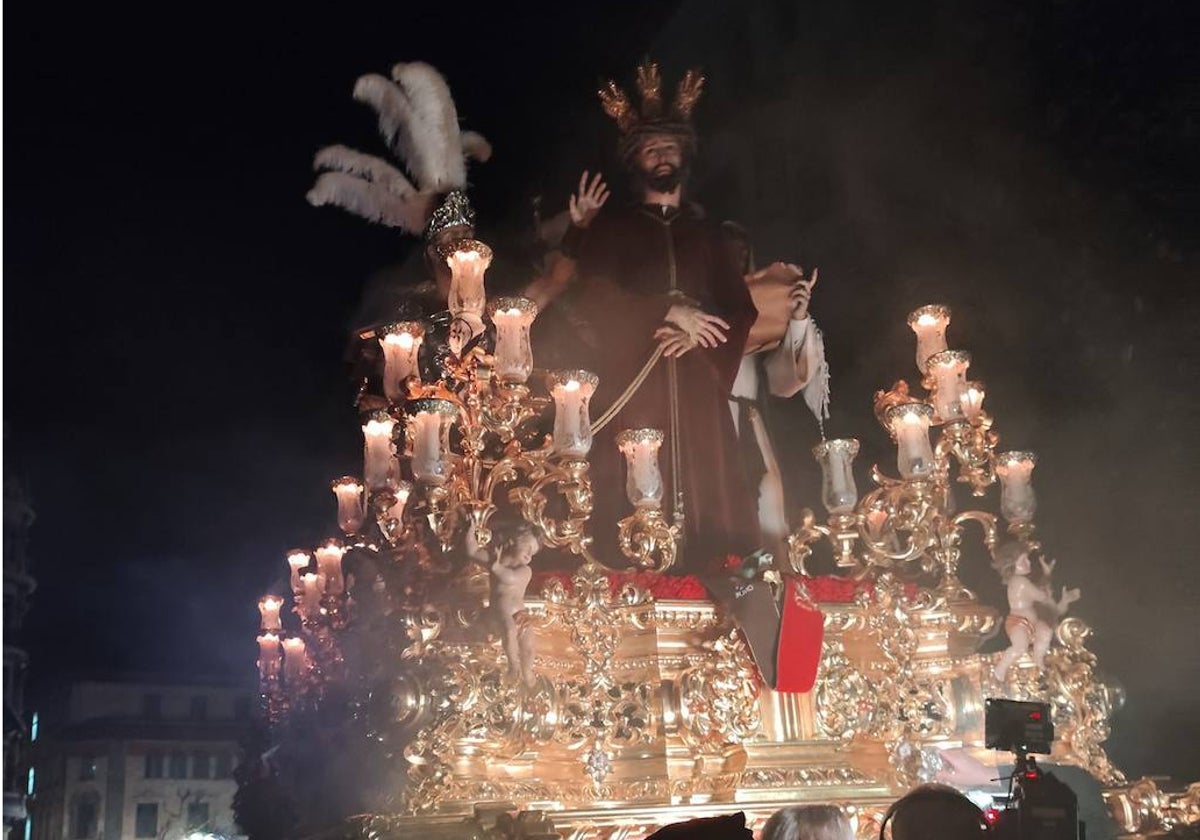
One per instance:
(1032,611)
(507,558)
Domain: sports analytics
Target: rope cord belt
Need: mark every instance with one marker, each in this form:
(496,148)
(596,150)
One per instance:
(630,390)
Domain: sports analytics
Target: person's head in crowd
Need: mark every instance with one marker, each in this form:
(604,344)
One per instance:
(808,822)
(730,827)
(934,812)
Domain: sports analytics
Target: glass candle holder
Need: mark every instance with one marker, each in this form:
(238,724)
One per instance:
(949,372)
(929,323)
(298,560)
(401,343)
(429,428)
(839,493)
(391,519)
(269,654)
(329,565)
(268,608)
(313,585)
(349,491)
(468,260)
(909,423)
(572,390)
(381,469)
(513,317)
(643,481)
(295,660)
(1018,502)
(972,400)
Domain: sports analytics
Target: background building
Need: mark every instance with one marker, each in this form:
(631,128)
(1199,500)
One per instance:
(145,759)
(18,586)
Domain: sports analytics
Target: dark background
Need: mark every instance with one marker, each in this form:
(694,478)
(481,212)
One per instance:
(175,313)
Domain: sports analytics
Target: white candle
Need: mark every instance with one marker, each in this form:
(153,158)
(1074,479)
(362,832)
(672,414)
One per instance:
(514,354)
(972,400)
(643,481)
(949,371)
(429,425)
(295,663)
(268,656)
(268,608)
(839,493)
(929,323)
(572,390)
(1018,502)
(348,491)
(329,565)
(909,423)
(381,469)
(298,560)
(468,260)
(401,343)
(310,600)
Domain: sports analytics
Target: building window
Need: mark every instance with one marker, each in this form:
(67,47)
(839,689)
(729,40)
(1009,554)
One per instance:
(154,765)
(199,709)
(87,768)
(152,706)
(84,818)
(200,765)
(224,766)
(146,820)
(197,815)
(178,766)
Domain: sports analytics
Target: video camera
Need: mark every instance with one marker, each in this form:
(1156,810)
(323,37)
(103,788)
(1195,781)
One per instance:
(1038,806)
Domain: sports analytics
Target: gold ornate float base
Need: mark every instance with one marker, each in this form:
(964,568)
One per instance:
(647,712)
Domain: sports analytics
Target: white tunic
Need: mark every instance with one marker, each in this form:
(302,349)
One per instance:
(797,364)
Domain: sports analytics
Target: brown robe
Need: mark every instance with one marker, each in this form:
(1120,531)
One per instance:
(632,265)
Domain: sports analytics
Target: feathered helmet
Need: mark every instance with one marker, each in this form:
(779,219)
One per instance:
(635,124)
(419,123)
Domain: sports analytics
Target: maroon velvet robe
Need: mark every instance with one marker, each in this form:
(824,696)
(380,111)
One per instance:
(629,261)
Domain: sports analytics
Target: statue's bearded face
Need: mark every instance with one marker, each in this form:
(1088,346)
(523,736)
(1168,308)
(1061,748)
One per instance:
(660,163)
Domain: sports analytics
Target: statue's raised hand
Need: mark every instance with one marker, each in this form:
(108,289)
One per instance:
(587,201)
(1047,566)
(1069,596)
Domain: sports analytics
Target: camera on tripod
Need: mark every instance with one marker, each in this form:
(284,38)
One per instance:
(1038,806)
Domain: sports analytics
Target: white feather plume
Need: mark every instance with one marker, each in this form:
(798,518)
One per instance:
(368,167)
(432,128)
(476,147)
(373,202)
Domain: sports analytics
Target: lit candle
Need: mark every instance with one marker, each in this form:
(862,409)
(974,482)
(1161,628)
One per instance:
(929,323)
(1018,502)
(295,663)
(268,607)
(572,389)
(391,521)
(381,469)
(429,418)
(838,490)
(268,656)
(514,354)
(310,600)
(949,371)
(401,342)
(909,423)
(348,491)
(468,260)
(329,565)
(643,481)
(298,560)
(972,399)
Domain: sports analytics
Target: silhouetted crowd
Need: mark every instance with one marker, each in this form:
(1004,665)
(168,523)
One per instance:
(930,812)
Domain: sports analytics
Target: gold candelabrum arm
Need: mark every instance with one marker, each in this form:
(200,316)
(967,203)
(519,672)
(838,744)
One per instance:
(648,540)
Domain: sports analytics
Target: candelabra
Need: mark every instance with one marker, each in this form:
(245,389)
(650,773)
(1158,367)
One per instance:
(908,525)
(443,458)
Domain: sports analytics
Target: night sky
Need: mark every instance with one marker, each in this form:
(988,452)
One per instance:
(175,314)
